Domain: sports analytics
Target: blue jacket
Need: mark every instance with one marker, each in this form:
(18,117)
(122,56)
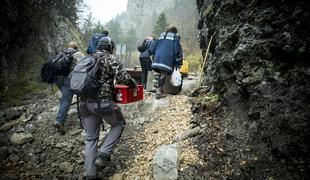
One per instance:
(168,52)
(147,52)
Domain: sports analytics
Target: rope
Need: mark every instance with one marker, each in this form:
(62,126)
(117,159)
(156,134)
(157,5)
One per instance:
(204,62)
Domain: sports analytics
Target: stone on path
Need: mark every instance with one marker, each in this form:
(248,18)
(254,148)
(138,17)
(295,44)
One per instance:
(166,161)
(187,133)
(21,138)
(66,167)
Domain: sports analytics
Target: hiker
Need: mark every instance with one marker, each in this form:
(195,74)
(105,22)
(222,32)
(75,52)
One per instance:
(168,55)
(78,55)
(101,106)
(92,47)
(63,84)
(145,58)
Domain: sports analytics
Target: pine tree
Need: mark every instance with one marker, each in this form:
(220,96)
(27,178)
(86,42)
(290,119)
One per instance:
(115,31)
(131,39)
(87,27)
(161,24)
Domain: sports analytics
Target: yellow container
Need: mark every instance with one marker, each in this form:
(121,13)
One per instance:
(184,68)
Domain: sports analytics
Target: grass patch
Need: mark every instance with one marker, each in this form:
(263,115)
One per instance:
(13,94)
(208,102)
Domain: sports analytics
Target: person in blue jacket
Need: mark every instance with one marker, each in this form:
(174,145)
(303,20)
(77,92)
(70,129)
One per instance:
(167,56)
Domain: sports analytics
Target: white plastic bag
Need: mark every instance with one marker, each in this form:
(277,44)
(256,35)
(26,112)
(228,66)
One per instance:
(176,77)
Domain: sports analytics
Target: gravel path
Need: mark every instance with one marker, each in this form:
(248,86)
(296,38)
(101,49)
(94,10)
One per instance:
(150,124)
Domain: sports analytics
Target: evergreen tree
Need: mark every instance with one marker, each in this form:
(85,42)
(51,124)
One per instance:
(87,27)
(131,39)
(98,28)
(115,31)
(161,24)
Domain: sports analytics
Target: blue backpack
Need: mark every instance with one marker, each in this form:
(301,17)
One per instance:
(92,47)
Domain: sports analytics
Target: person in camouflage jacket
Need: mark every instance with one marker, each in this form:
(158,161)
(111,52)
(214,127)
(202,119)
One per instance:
(93,110)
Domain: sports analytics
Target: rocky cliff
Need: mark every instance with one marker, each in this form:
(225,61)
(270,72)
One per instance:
(258,63)
(31,33)
(142,15)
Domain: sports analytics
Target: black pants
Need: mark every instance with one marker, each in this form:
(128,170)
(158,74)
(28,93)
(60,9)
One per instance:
(161,81)
(146,65)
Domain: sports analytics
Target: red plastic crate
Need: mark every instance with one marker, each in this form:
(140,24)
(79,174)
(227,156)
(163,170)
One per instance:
(124,95)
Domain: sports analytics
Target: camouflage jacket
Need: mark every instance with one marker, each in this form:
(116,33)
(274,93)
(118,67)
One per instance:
(111,69)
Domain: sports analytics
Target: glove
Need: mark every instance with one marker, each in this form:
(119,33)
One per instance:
(133,84)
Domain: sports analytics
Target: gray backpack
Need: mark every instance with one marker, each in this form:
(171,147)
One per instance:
(84,77)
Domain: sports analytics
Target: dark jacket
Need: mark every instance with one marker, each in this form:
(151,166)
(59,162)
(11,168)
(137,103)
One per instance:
(112,69)
(147,52)
(168,52)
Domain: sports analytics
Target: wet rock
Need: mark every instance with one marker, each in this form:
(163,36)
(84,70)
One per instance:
(30,128)
(4,152)
(166,161)
(260,69)
(66,167)
(160,103)
(4,140)
(21,138)
(14,158)
(30,157)
(75,132)
(116,177)
(20,120)
(13,113)
(187,133)
(64,146)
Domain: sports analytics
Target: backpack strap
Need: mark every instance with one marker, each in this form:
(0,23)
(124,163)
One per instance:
(78,111)
(165,35)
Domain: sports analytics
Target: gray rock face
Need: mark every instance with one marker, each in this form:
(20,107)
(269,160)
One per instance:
(21,138)
(3,153)
(260,66)
(166,161)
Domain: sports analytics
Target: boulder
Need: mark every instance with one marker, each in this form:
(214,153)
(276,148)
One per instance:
(21,138)
(166,161)
(66,167)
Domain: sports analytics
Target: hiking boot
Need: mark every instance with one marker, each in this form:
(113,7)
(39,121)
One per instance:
(59,128)
(160,95)
(103,161)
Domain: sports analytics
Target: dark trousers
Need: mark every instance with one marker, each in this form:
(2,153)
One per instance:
(63,83)
(161,81)
(92,112)
(146,65)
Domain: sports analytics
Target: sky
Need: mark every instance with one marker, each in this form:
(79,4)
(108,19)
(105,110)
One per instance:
(105,10)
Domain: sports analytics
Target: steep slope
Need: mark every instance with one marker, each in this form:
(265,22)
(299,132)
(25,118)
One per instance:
(31,32)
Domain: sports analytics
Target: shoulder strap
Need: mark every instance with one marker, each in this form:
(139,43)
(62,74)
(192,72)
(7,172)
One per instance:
(165,35)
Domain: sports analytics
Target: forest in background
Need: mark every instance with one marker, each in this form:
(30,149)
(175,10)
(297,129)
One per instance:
(35,31)
(132,26)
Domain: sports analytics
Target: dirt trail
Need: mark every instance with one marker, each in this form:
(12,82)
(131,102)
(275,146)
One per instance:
(150,124)
(158,124)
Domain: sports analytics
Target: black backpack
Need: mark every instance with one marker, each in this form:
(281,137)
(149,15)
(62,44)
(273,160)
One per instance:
(59,66)
(143,46)
(84,77)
